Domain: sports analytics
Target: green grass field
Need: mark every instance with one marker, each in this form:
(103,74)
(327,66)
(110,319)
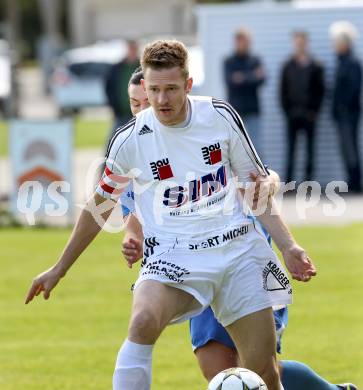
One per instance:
(70,342)
(88,134)
(91,134)
(3,139)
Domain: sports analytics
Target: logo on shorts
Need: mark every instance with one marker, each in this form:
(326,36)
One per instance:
(149,244)
(166,269)
(274,278)
(161,169)
(212,154)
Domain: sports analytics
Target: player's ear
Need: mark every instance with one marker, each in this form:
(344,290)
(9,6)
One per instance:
(142,82)
(189,84)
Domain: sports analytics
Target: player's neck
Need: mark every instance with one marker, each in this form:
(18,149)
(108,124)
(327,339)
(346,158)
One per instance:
(187,117)
(184,118)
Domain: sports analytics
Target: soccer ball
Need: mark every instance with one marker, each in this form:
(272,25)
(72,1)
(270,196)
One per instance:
(237,379)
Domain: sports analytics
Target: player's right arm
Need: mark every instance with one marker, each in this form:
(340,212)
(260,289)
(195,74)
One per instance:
(84,232)
(92,218)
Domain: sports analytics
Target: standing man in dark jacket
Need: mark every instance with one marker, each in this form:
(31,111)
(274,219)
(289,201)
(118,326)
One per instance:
(301,94)
(347,101)
(117,83)
(243,75)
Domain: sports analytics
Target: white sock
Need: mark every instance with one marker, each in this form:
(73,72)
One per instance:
(133,367)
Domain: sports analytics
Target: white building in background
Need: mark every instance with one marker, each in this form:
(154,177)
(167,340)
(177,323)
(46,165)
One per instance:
(271,24)
(93,20)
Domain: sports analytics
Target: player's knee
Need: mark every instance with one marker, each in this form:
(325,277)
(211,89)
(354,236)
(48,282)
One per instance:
(144,327)
(215,357)
(209,370)
(268,371)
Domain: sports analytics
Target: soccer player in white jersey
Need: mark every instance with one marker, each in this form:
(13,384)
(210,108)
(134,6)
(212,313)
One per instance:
(202,247)
(212,345)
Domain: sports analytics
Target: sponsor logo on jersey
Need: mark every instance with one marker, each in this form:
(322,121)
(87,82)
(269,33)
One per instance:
(161,169)
(212,154)
(145,130)
(194,190)
(274,278)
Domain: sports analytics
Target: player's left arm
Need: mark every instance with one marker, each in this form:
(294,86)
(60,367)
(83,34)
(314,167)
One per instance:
(266,186)
(246,162)
(296,258)
(275,181)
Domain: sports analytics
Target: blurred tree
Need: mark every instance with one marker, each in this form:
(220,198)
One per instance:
(12,34)
(31,23)
(50,12)
(31,27)
(50,44)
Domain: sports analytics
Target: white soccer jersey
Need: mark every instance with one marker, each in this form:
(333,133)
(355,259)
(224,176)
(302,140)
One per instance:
(182,177)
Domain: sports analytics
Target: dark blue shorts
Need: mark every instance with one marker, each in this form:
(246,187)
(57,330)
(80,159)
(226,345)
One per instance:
(205,328)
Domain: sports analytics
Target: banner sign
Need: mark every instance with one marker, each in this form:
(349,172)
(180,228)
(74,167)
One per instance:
(40,161)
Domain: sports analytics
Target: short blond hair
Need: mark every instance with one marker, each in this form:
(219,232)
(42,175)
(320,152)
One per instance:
(165,54)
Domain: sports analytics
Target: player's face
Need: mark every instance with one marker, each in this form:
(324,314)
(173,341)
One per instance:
(138,98)
(167,90)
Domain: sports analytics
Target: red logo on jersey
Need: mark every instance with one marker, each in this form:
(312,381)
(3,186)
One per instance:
(212,154)
(161,169)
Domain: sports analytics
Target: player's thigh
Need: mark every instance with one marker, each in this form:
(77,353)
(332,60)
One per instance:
(159,303)
(215,357)
(255,339)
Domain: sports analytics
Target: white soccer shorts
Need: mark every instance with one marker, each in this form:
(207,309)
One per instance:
(234,271)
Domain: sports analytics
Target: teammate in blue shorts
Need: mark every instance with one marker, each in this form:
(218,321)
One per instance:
(207,334)
(211,343)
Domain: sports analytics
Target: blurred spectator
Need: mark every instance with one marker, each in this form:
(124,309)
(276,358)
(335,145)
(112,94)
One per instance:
(117,83)
(301,94)
(346,99)
(244,74)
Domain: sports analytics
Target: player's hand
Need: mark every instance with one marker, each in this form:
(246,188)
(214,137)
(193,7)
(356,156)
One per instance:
(132,250)
(265,187)
(44,282)
(298,263)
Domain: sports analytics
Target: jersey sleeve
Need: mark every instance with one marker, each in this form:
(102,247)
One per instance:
(242,154)
(128,201)
(116,176)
